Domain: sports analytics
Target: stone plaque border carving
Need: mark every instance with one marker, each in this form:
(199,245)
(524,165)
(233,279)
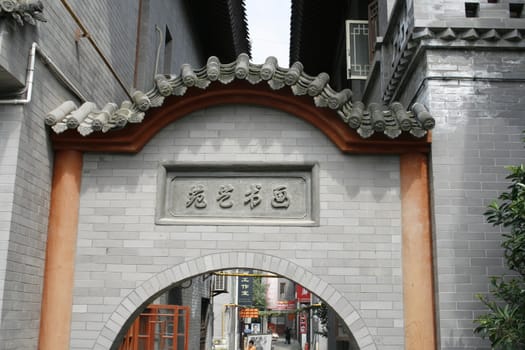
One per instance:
(300,175)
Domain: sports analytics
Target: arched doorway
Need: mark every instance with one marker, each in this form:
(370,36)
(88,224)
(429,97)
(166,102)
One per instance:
(136,301)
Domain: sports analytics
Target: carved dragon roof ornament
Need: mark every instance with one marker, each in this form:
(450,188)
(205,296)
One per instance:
(23,11)
(366,120)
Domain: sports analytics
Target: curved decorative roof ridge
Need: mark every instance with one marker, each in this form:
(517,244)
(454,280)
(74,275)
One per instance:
(391,121)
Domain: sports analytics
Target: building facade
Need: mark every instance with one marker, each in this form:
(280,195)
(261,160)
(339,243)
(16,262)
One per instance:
(99,215)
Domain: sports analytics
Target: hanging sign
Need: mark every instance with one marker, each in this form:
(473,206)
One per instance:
(303,295)
(249,313)
(303,324)
(245,291)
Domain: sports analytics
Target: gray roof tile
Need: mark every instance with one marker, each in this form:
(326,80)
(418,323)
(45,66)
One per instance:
(392,120)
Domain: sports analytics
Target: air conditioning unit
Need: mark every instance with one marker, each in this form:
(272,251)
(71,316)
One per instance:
(219,284)
(357,51)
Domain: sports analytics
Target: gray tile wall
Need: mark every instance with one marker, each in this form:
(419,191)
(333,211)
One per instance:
(26,158)
(9,141)
(113,26)
(26,163)
(478,132)
(193,298)
(173,16)
(355,250)
(450,13)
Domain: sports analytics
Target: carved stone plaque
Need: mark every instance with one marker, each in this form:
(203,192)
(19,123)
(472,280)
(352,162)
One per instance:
(238,194)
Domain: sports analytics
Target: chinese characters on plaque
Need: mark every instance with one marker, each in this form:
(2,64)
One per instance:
(245,290)
(252,197)
(238,197)
(252,194)
(196,197)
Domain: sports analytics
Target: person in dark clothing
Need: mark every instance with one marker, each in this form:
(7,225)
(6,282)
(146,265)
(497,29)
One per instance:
(287,335)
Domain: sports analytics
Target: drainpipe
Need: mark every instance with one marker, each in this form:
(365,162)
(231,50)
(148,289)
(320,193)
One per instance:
(28,89)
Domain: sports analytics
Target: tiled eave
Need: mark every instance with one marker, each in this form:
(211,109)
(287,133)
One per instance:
(315,31)
(365,121)
(221,27)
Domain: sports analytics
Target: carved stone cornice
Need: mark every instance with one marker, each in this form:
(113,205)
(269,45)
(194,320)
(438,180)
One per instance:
(449,38)
(23,11)
(375,118)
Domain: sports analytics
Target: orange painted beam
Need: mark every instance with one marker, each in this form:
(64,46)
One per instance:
(57,296)
(418,282)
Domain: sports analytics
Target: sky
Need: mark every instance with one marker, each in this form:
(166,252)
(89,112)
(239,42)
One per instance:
(269,29)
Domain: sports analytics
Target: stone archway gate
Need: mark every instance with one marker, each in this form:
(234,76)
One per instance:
(351,126)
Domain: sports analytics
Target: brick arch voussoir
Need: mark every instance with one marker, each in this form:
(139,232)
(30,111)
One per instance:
(157,284)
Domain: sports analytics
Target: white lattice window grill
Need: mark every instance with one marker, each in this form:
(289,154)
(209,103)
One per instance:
(357,50)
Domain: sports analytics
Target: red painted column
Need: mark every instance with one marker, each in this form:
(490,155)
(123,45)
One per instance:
(57,297)
(418,281)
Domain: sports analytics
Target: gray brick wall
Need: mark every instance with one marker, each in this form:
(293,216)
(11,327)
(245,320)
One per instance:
(478,132)
(13,55)
(450,13)
(476,98)
(113,26)
(173,16)
(9,140)
(26,158)
(27,162)
(193,298)
(356,250)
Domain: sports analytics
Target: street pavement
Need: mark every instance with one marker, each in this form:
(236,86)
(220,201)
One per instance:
(280,344)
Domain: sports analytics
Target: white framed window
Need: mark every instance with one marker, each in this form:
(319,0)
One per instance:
(357,52)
